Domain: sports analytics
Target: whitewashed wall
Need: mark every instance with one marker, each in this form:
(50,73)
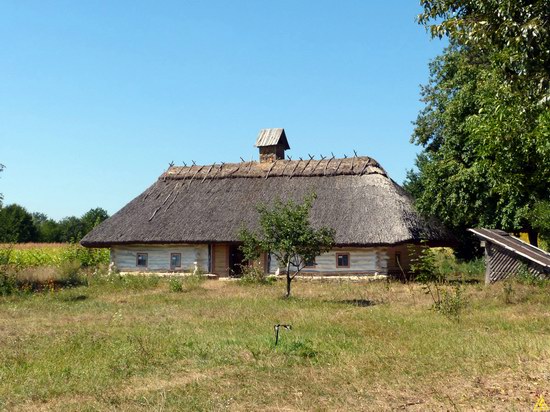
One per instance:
(368,260)
(125,257)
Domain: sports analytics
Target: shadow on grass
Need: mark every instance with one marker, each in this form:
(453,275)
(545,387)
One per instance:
(357,302)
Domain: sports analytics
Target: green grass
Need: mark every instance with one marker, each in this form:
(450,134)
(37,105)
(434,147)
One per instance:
(128,343)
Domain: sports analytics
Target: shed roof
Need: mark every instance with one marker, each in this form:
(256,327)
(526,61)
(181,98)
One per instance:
(514,245)
(272,137)
(201,204)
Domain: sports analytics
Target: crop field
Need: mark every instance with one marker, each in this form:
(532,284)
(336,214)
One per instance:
(24,255)
(138,343)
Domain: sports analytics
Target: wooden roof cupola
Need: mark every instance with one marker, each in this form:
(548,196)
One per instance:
(272,144)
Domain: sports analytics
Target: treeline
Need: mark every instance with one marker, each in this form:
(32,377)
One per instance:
(17,225)
(485,125)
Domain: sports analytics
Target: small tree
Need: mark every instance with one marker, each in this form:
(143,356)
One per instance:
(286,232)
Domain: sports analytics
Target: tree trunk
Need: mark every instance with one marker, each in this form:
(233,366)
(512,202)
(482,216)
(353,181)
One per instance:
(533,237)
(288,280)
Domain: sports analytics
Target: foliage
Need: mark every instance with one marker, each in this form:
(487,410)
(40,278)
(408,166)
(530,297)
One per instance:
(286,232)
(540,219)
(34,255)
(16,225)
(254,275)
(526,277)
(175,284)
(516,28)
(485,127)
(116,281)
(428,270)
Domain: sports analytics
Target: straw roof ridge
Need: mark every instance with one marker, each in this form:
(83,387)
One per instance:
(358,165)
(202,204)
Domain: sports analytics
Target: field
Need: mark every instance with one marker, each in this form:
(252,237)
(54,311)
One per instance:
(133,344)
(25,255)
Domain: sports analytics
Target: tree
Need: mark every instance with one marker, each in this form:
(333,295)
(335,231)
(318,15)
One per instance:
(92,218)
(16,225)
(540,217)
(71,229)
(485,127)
(517,32)
(286,232)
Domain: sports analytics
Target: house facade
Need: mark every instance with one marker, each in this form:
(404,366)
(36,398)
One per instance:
(190,217)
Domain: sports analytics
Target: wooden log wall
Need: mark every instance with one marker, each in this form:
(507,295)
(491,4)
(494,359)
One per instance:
(158,257)
(362,261)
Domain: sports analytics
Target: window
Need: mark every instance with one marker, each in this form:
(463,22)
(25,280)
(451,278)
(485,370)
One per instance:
(175,260)
(310,263)
(141,260)
(342,260)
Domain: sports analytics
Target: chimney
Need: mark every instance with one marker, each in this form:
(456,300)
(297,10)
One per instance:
(272,144)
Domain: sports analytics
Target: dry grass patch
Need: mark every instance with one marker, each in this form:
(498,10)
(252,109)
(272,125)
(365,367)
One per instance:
(134,345)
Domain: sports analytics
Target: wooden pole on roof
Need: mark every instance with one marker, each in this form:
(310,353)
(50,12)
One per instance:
(208,171)
(271,168)
(192,177)
(325,171)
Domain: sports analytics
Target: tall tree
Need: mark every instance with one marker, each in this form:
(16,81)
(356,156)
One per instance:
(92,218)
(71,229)
(485,127)
(16,225)
(286,232)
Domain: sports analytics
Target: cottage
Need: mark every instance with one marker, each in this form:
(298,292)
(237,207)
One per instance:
(193,214)
(506,256)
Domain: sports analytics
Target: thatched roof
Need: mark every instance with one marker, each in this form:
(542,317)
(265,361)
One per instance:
(210,203)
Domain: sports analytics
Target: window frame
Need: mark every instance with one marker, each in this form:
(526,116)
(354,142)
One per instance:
(307,265)
(338,266)
(175,254)
(146,260)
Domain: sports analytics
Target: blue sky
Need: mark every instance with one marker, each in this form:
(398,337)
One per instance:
(97,97)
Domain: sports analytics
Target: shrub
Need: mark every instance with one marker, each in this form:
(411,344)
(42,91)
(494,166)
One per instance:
(254,275)
(175,285)
(434,278)
(70,275)
(452,302)
(8,284)
(526,277)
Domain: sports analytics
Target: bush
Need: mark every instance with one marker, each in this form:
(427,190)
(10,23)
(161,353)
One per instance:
(70,275)
(175,285)
(526,277)
(254,275)
(433,274)
(8,284)
(452,302)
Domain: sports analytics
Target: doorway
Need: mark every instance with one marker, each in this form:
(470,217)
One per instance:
(236,261)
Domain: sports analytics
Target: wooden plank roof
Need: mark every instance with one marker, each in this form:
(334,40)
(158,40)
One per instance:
(272,137)
(514,245)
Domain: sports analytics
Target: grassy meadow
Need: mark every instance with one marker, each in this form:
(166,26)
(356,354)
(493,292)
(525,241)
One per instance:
(132,343)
